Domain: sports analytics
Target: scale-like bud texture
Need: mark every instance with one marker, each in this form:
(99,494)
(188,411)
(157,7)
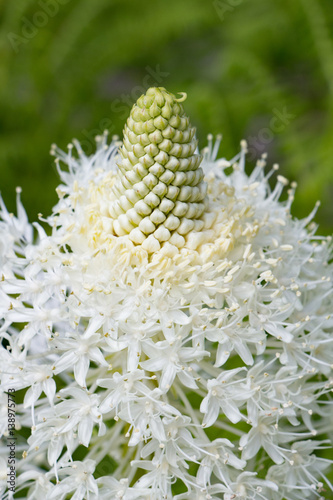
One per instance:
(159,194)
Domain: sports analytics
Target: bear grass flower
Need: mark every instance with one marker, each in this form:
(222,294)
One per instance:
(171,336)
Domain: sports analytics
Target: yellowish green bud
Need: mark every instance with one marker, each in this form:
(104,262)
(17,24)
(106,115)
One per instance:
(159,192)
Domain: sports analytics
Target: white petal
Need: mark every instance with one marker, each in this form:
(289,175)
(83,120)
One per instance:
(49,387)
(85,430)
(66,361)
(32,395)
(186,379)
(231,411)
(212,413)
(54,449)
(96,355)
(242,349)
(157,429)
(168,376)
(81,369)
(178,317)
(222,355)
(273,452)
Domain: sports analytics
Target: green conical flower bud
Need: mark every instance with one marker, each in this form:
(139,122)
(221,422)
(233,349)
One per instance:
(159,194)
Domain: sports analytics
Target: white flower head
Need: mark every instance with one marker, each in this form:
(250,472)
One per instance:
(171,335)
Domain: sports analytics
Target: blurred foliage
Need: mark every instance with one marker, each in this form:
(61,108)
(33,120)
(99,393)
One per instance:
(77,69)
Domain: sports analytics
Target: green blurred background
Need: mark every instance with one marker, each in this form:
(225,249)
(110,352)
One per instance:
(254,69)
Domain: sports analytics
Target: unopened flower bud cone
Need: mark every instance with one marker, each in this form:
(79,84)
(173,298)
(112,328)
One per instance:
(172,337)
(159,193)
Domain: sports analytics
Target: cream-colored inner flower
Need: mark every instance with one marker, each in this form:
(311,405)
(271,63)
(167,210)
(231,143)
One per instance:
(225,220)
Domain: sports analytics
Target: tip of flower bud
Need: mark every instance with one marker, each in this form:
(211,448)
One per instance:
(182,98)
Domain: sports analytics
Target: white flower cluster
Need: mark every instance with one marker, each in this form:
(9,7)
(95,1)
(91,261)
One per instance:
(203,372)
